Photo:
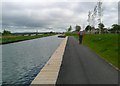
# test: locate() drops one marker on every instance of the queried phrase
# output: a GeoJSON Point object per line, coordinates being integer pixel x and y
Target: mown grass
{"type": "Point", "coordinates": [105, 45]}
{"type": "Point", "coordinates": [14, 38]}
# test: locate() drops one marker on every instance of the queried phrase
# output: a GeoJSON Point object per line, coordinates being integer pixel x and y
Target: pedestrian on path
{"type": "Point", "coordinates": [80, 35]}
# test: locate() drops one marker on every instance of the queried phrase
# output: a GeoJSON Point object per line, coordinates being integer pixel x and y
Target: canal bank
{"type": "Point", "coordinates": [49, 73]}
{"type": "Point", "coordinates": [12, 38]}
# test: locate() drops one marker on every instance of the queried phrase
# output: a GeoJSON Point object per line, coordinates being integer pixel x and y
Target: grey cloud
{"type": "Point", "coordinates": [119, 12]}
{"type": "Point", "coordinates": [58, 15]}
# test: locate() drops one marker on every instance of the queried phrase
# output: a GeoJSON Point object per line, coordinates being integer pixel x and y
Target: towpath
{"type": "Point", "coordinates": [82, 66]}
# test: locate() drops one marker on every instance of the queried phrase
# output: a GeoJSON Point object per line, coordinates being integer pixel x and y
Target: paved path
{"type": "Point", "coordinates": [82, 66]}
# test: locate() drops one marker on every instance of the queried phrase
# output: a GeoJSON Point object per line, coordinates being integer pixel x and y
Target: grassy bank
{"type": "Point", "coordinates": [13, 38]}
{"type": "Point", "coordinates": [105, 45]}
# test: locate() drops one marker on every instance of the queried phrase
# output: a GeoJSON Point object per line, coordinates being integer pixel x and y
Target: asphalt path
{"type": "Point", "coordinates": [80, 65]}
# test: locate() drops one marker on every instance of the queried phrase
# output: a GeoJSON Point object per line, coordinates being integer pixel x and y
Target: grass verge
{"type": "Point", "coordinates": [13, 38]}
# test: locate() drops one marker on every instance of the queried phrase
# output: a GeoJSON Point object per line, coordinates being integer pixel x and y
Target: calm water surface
{"type": "Point", "coordinates": [22, 61]}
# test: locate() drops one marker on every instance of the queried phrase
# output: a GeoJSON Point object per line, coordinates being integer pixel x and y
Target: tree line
{"type": "Point", "coordinates": [115, 28]}
{"type": "Point", "coordinates": [77, 28]}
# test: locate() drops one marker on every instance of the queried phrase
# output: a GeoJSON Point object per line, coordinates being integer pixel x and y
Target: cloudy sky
{"type": "Point", "coordinates": [52, 15]}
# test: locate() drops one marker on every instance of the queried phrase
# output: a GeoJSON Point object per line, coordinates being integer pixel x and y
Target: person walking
{"type": "Point", "coordinates": [80, 34]}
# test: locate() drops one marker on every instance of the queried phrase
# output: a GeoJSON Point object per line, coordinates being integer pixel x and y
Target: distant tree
{"type": "Point", "coordinates": [88, 28]}
{"type": "Point", "coordinates": [51, 32]}
{"type": "Point", "coordinates": [116, 28]}
{"type": "Point", "coordinates": [70, 28]}
{"type": "Point", "coordinates": [101, 27]}
{"type": "Point", "coordinates": [77, 28]}
{"type": "Point", "coordinates": [5, 32]}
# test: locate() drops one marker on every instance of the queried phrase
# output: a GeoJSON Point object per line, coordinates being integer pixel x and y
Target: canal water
{"type": "Point", "coordinates": [22, 61]}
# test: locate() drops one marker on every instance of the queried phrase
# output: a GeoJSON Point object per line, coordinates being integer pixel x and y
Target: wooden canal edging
{"type": "Point", "coordinates": [49, 73]}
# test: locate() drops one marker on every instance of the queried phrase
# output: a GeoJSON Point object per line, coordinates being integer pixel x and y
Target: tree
{"type": "Point", "coordinates": [101, 27]}
{"type": "Point", "coordinates": [70, 28]}
{"type": "Point", "coordinates": [88, 28]}
{"type": "Point", "coordinates": [78, 28]}
{"type": "Point", "coordinates": [116, 28]}
{"type": "Point", "coordinates": [5, 32]}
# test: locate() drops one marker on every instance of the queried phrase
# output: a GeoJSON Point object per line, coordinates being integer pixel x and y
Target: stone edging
{"type": "Point", "coordinates": [49, 73]}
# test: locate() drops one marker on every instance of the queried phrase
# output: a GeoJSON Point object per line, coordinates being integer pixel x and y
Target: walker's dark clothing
{"type": "Point", "coordinates": [80, 36]}
{"type": "Point", "coordinates": [80, 39]}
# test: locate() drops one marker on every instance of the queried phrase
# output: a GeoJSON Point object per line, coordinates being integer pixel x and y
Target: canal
{"type": "Point", "coordinates": [22, 61]}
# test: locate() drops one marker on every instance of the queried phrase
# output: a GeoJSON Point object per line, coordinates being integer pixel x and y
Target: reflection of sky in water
{"type": "Point", "coordinates": [23, 60]}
